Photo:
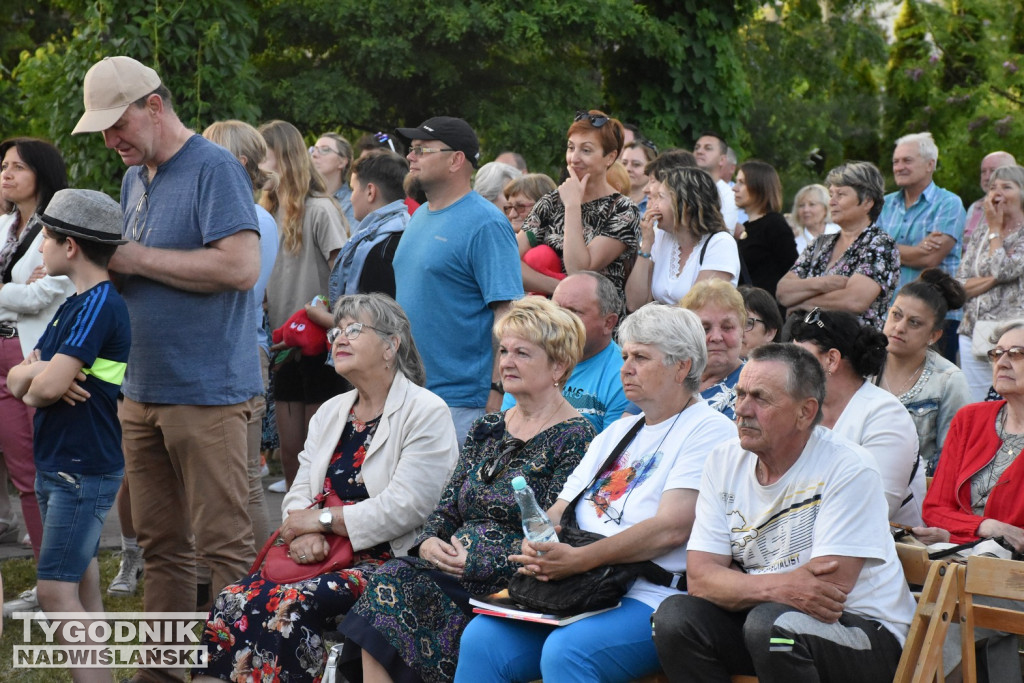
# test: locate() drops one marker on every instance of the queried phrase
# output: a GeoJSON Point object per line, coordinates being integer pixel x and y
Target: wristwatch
{"type": "Point", "coordinates": [326, 520]}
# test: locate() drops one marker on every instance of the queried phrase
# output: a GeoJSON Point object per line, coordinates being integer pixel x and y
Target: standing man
{"type": "Point", "coordinates": [926, 221]}
{"type": "Point", "coordinates": [791, 570]}
{"type": "Point", "coordinates": [456, 268]}
{"type": "Point", "coordinates": [976, 211]}
{"type": "Point", "coordinates": [594, 388]}
{"type": "Point", "coordinates": [710, 151]}
{"type": "Point", "coordinates": [186, 275]}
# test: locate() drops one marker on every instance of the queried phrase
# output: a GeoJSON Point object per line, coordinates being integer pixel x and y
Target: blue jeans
{"type": "Point", "coordinates": [73, 507]}
{"type": "Point", "coordinates": [611, 646]}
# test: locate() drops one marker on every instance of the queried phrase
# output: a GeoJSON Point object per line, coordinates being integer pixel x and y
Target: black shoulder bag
{"type": "Point", "coordinates": [598, 588]}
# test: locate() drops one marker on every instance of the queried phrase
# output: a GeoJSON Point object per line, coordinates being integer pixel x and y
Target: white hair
{"type": "Point", "coordinates": [926, 146]}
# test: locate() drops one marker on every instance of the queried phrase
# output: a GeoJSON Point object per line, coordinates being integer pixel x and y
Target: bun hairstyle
{"type": "Point", "coordinates": [862, 345]}
{"type": "Point", "coordinates": [939, 291]}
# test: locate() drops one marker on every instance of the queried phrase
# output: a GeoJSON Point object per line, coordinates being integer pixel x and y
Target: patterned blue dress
{"type": "Point", "coordinates": [263, 631]}
{"type": "Point", "coordinates": [411, 616]}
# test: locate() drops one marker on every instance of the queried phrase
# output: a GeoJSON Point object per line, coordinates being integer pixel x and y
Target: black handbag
{"type": "Point", "coordinates": [598, 588]}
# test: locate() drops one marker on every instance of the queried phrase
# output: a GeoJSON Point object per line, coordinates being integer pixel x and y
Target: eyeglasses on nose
{"type": "Point", "coordinates": [419, 150]}
{"type": "Point", "coordinates": [351, 331]}
{"type": "Point", "coordinates": [1014, 353]}
{"type": "Point", "coordinates": [518, 208]}
{"type": "Point", "coordinates": [751, 321]}
{"type": "Point", "coordinates": [322, 151]}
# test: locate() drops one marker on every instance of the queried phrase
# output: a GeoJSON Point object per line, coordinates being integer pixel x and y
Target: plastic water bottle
{"type": "Point", "coordinates": [537, 525]}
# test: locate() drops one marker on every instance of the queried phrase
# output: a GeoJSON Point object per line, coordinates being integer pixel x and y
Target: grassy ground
{"type": "Point", "coordinates": [19, 575]}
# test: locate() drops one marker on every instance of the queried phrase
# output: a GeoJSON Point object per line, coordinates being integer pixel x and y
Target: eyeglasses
{"type": "Point", "coordinates": [1014, 353]}
{"type": "Point", "coordinates": [814, 318]}
{"type": "Point", "coordinates": [649, 145]}
{"type": "Point", "coordinates": [351, 331]}
{"type": "Point", "coordinates": [497, 463]}
{"type": "Point", "coordinates": [596, 120]}
{"type": "Point", "coordinates": [751, 321]}
{"type": "Point", "coordinates": [322, 151]}
{"type": "Point", "coordinates": [139, 228]}
{"type": "Point", "coordinates": [384, 137]}
{"type": "Point", "coordinates": [518, 208]}
{"type": "Point", "coordinates": [418, 150]}
{"type": "Point", "coordinates": [604, 505]}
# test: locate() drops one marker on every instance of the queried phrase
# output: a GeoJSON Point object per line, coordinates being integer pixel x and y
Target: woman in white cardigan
{"type": "Point", "coordinates": [31, 171]}
{"type": "Point", "coordinates": [387, 448]}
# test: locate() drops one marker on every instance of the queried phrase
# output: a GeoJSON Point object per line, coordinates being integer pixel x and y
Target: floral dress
{"type": "Point", "coordinates": [411, 616]}
{"type": "Point", "coordinates": [873, 254]}
{"type": "Point", "coordinates": [262, 631]}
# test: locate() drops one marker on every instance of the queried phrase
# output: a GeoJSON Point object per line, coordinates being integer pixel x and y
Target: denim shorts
{"type": "Point", "coordinates": [73, 507]}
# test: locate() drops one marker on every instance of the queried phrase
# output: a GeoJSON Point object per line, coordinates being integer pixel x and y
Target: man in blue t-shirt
{"type": "Point", "coordinates": [456, 269]}
{"type": "Point", "coordinates": [186, 274]}
{"type": "Point", "coordinates": [72, 377]}
{"type": "Point", "coordinates": [594, 388]}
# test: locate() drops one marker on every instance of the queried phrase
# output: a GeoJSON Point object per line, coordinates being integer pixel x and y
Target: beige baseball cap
{"type": "Point", "coordinates": [110, 86]}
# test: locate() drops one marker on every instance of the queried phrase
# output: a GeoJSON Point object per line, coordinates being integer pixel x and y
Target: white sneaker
{"type": "Point", "coordinates": [26, 602]}
{"type": "Point", "coordinates": [278, 487]}
{"type": "Point", "coordinates": [127, 579]}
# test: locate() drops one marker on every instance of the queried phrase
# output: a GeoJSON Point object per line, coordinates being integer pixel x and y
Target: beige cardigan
{"type": "Point", "coordinates": [411, 457]}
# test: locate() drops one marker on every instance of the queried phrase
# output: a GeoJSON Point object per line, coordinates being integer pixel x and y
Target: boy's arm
{"type": "Point", "coordinates": [46, 382]}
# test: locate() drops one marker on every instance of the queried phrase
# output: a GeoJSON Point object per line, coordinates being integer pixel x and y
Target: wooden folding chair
{"type": "Point", "coordinates": [991, 577]}
{"type": "Point", "coordinates": [915, 561]}
{"type": "Point", "coordinates": [921, 661]}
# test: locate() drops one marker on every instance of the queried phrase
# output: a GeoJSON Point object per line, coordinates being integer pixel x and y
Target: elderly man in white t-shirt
{"type": "Point", "coordinates": [792, 573]}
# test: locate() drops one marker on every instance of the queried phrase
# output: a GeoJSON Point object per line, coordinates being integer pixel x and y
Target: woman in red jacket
{"type": "Point", "coordinates": [978, 486]}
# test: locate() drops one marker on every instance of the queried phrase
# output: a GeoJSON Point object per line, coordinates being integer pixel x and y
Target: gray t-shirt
{"type": "Point", "coordinates": [189, 348]}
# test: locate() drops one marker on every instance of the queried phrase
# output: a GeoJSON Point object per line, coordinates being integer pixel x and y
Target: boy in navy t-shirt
{"type": "Point", "coordinates": [73, 377]}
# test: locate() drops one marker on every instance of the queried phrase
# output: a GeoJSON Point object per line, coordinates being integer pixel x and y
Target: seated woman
{"type": "Point", "coordinates": [409, 620]}
{"type": "Point", "coordinates": [865, 414]}
{"type": "Point", "coordinates": [930, 387]}
{"type": "Point", "coordinates": [720, 308]}
{"type": "Point", "coordinates": [764, 322]}
{"type": "Point", "coordinates": [522, 193]}
{"type": "Point", "coordinates": [386, 449]}
{"type": "Point", "coordinates": [810, 216]}
{"type": "Point", "coordinates": [766, 243]}
{"type": "Point", "coordinates": [644, 504]}
{"type": "Point", "coordinates": [856, 269]}
{"type": "Point", "coordinates": [587, 222]}
{"type": "Point", "coordinates": [683, 237]}
{"type": "Point", "coordinates": [976, 492]}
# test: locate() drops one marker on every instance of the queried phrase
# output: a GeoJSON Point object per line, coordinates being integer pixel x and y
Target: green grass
{"type": "Point", "coordinates": [19, 575]}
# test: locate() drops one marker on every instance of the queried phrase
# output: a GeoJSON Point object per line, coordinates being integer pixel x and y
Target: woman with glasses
{"type": "Point", "coordinates": [850, 352]}
{"type": "Point", "coordinates": [683, 237]}
{"type": "Point", "coordinates": [856, 269]}
{"type": "Point", "coordinates": [31, 172]}
{"type": "Point", "coordinates": [311, 232]}
{"type": "Point", "coordinates": [764, 322]}
{"type": "Point", "coordinates": [766, 242]}
{"type": "Point", "coordinates": [522, 193]}
{"type": "Point", "coordinates": [724, 318]}
{"type": "Point", "coordinates": [976, 493]}
{"type": "Point", "coordinates": [332, 158]}
{"type": "Point", "coordinates": [990, 270]}
{"type": "Point", "coordinates": [930, 387]}
{"type": "Point", "coordinates": [643, 503]}
{"type": "Point", "coordinates": [407, 625]}
{"type": "Point", "coordinates": [810, 217]}
{"type": "Point", "coordinates": [386, 449]}
{"type": "Point", "coordinates": [588, 224]}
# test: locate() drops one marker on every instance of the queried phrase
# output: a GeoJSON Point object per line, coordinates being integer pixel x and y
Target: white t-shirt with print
{"type": "Point", "coordinates": [668, 455]}
{"type": "Point", "coordinates": [830, 502]}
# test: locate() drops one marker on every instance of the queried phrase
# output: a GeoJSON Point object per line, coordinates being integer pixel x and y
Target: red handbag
{"type": "Point", "coordinates": [279, 567]}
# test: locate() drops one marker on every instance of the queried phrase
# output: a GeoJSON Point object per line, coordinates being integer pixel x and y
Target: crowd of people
{"type": "Point", "coordinates": [667, 360]}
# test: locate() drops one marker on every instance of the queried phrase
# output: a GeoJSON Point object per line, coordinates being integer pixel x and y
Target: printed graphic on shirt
{"type": "Point", "coordinates": [778, 542]}
{"type": "Point", "coordinates": [610, 493]}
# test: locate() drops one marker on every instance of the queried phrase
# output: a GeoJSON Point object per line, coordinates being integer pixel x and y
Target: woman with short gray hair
{"type": "Point", "coordinates": [990, 271]}
{"type": "Point", "coordinates": [643, 502]}
{"type": "Point", "coordinates": [491, 180]}
{"type": "Point", "coordinates": [856, 269]}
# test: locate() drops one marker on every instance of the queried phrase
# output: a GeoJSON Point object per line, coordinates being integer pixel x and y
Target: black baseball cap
{"type": "Point", "coordinates": [452, 131]}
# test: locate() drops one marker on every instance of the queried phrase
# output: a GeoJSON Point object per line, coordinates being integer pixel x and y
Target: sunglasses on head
{"type": "Point", "coordinates": [596, 120]}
